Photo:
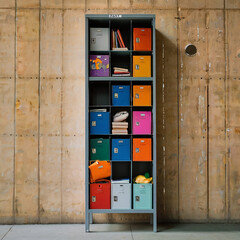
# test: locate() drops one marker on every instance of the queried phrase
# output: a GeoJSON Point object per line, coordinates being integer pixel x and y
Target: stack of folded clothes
{"type": "Point", "coordinates": [119, 124]}
{"type": "Point", "coordinates": [121, 72]}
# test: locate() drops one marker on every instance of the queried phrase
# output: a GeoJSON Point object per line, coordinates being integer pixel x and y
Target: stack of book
{"type": "Point", "coordinates": [119, 127]}
{"type": "Point", "coordinates": [120, 72]}
{"type": "Point", "coordinates": [117, 42]}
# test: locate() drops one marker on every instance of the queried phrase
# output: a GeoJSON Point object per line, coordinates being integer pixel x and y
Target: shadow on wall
{"type": "Point", "coordinates": [167, 128]}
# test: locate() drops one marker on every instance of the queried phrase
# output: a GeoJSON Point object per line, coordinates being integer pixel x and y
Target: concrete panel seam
{"type": "Point", "coordinates": [15, 91]}
{"type": "Point", "coordinates": [62, 112]}
{"type": "Point", "coordinates": [39, 107]}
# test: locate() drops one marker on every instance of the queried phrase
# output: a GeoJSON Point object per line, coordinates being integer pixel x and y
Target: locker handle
{"type": "Point", "coordinates": [99, 115]}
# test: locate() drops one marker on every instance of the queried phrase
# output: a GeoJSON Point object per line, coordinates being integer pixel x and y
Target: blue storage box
{"type": "Point", "coordinates": [99, 123]}
{"type": "Point", "coordinates": [120, 95]}
{"type": "Point", "coordinates": [142, 196]}
{"type": "Point", "coordinates": [121, 150]}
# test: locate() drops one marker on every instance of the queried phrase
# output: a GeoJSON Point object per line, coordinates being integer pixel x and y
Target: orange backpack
{"type": "Point", "coordinates": [99, 170]}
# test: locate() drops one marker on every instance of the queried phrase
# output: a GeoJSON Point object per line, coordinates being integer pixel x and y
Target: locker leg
{"type": "Point", "coordinates": [91, 218]}
{"type": "Point", "coordinates": [151, 219]}
{"type": "Point", "coordinates": [155, 222]}
{"type": "Point", "coordinates": [87, 218]}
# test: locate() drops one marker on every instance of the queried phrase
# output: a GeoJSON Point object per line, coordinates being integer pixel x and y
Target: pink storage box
{"type": "Point", "coordinates": [142, 122]}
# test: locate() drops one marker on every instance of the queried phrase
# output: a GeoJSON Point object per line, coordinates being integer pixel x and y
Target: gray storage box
{"type": "Point", "coordinates": [121, 196]}
{"type": "Point", "coordinates": [99, 39]}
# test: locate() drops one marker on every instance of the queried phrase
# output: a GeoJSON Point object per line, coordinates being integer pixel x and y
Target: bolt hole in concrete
{"type": "Point", "coordinates": [190, 50]}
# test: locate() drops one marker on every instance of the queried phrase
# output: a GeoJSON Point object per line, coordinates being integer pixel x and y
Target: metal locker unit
{"type": "Point", "coordinates": [107, 94]}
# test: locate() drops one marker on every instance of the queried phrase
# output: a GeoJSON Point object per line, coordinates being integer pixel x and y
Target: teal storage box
{"type": "Point", "coordinates": [142, 196]}
{"type": "Point", "coordinates": [99, 149]}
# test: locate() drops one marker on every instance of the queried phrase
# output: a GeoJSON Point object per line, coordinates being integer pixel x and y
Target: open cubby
{"type": "Point", "coordinates": [121, 170]}
{"type": "Point", "coordinates": [140, 168]}
{"type": "Point", "coordinates": [128, 120]}
{"type": "Point", "coordinates": [100, 95]}
{"type": "Point", "coordinates": [121, 60]}
{"type": "Point", "coordinates": [124, 27]}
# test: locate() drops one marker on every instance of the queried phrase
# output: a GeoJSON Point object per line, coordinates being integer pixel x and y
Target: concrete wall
{"type": "Point", "coordinates": [42, 109]}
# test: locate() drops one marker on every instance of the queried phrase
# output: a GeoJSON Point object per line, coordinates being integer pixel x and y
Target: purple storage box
{"type": "Point", "coordinates": [142, 122]}
{"type": "Point", "coordinates": [99, 65]}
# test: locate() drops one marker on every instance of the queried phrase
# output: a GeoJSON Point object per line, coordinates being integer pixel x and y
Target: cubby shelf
{"type": "Point", "coordinates": [120, 211]}
{"type": "Point", "coordinates": [100, 94]}
{"type": "Point", "coordinates": [122, 135]}
{"type": "Point", "coordinates": [128, 79]}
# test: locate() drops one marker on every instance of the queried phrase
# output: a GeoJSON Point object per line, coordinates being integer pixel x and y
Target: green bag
{"type": "Point", "coordinates": [100, 149]}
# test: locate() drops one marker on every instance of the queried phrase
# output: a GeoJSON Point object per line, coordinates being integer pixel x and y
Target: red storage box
{"type": "Point", "coordinates": [142, 39]}
{"type": "Point", "coordinates": [100, 195]}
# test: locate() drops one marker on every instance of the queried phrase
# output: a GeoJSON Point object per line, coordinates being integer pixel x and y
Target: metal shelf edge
{"type": "Point", "coordinates": [120, 79]}
{"type": "Point", "coordinates": [121, 210]}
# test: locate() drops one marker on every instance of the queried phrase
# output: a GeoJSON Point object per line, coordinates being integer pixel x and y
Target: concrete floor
{"type": "Point", "coordinates": [121, 231]}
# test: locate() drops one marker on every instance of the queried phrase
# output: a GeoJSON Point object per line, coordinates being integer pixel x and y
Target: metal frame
{"type": "Point", "coordinates": [89, 212]}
